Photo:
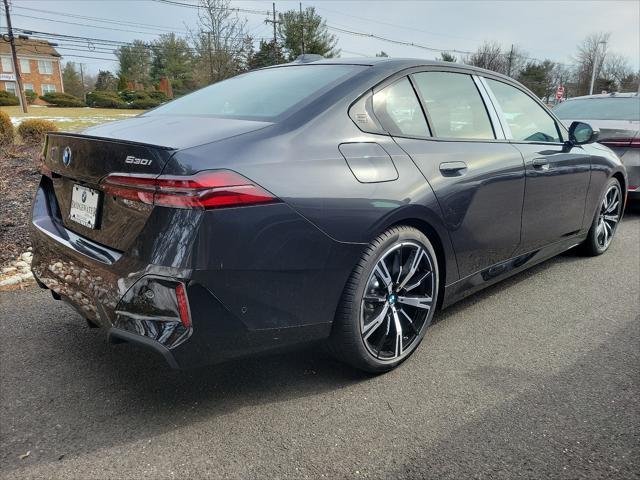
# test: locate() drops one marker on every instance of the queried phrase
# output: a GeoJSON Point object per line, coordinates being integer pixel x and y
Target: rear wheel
{"type": "Point", "coordinates": [605, 222]}
{"type": "Point", "coordinates": [388, 302]}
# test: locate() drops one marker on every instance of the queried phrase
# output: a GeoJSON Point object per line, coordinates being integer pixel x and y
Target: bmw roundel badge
{"type": "Point", "coordinates": [66, 156]}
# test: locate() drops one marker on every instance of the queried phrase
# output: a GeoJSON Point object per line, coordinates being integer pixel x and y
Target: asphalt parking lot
{"type": "Point", "coordinates": [538, 377]}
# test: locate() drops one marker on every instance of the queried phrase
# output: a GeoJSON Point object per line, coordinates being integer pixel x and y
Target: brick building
{"type": "Point", "coordinates": [39, 65]}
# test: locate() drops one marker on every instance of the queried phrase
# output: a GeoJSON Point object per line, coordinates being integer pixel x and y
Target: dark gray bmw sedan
{"type": "Point", "coordinates": [339, 201]}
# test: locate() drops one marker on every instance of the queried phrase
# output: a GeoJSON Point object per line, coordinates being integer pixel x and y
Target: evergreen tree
{"type": "Point", "coordinates": [309, 27]}
{"type": "Point", "coordinates": [72, 81]}
{"type": "Point", "coordinates": [135, 62]}
{"type": "Point", "coordinates": [268, 54]}
{"type": "Point", "coordinates": [173, 59]}
{"type": "Point", "coordinates": [106, 81]}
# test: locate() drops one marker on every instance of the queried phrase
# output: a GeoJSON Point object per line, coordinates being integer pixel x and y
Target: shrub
{"type": "Point", "coordinates": [105, 99]}
{"type": "Point", "coordinates": [32, 131]}
{"type": "Point", "coordinates": [60, 99]}
{"type": "Point", "coordinates": [142, 100]}
{"type": "Point", "coordinates": [6, 130]}
{"type": "Point", "coordinates": [144, 103]}
{"type": "Point", "coordinates": [159, 95]}
{"type": "Point", "coordinates": [31, 96]}
{"type": "Point", "coordinates": [133, 95]}
{"type": "Point", "coordinates": [8, 99]}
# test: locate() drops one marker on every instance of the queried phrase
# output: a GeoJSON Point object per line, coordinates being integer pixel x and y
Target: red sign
{"type": "Point", "coordinates": [559, 92]}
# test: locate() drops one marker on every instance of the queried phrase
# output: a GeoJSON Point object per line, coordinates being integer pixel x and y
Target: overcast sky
{"type": "Point", "coordinates": [544, 29]}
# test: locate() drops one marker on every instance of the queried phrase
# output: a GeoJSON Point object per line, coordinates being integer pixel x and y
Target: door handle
{"type": "Point", "coordinates": [453, 168]}
{"type": "Point", "coordinates": [540, 164]}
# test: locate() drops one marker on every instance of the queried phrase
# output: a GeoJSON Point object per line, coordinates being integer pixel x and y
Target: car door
{"type": "Point", "coordinates": [557, 174]}
{"type": "Point", "coordinates": [477, 176]}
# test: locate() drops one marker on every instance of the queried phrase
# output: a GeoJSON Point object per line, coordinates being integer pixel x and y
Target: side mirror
{"type": "Point", "coordinates": [581, 133]}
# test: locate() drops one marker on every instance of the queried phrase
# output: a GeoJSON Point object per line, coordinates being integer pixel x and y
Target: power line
{"type": "Point", "coordinates": [102, 20]}
{"type": "Point", "coordinates": [85, 25]}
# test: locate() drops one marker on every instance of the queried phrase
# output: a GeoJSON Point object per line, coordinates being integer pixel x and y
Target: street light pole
{"type": "Point", "coordinates": [595, 64]}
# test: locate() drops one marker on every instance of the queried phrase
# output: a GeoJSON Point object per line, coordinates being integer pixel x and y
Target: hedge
{"type": "Point", "coordinates": [104, 99]}
{"type": "Point", "coordinates": [60, 99]}
{"type": "Point", "coordinates": [8, 99]}
{"type": "Point", "coordinates": [6, 130]}
{"type": "Point", "coordinates": [137, 99]}
{"type": "Point", "coordinates": [32, 131]}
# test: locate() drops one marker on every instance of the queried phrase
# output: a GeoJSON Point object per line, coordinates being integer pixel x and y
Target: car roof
{"type": "Point", "coordinates": [605, 95]}
{"type": "Point", "coordinates": [398, 64]}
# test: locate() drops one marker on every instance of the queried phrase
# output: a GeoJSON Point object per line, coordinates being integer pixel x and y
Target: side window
{"type": "Point", "coordinates": [454, 105]}
{"type": "Point", "coordinates": [527, 120]}
{"type": "Point", "coordinates": [399, 111]}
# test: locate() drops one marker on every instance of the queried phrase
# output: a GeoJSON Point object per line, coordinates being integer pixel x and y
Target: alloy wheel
{"type": "Point", "coordinates": [608, 216]}
{"type": "Point", "coordinates": [397, 300]}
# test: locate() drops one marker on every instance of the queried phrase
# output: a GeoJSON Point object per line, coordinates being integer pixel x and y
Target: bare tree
{"type": "Point", "coordinates": [220, 41]}
{"type": "Point", "coordinates": [492, 56]}
{"type": "Point", "coordinates": [616, 69]}
{"type": "Point", "coordinates": [591, 52]}
{"type": "Point", "coordinates": [488, 55]}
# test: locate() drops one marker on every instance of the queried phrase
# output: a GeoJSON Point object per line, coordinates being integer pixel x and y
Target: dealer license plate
{"type": "Point", "coordinates": [84, 206]}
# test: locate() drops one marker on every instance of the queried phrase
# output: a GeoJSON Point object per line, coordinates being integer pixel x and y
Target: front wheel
{"type": "Point", "coordinates": [605, 222]}
{"type": "Point", "coordinates": [388, 302]}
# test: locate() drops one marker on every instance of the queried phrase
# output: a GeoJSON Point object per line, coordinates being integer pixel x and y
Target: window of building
{"type": "Point", "coordinates": [454, 105]}
{"type": "Point", "coordinates": [7, 65]}
{"type": "Point", "coordinates": [45, 67]}
{"type": "Point", "coordinates": [25, 66]}
{"type": "Point", "coordinates": [28, 86]}
{"type": "Point", "coordinates": [10, 87]}
{"type": "Point", "coordinates": [528, 121]}
{"type": "Point", "coordinates": [399, 111]}
{"type": "Point", "coordinates": [47, 88]}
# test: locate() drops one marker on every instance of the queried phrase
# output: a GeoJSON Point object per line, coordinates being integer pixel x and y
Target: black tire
{"type": "Point", "coordinates": [346, 342]}
{"type": "Point", "coordinates": [596, 243]}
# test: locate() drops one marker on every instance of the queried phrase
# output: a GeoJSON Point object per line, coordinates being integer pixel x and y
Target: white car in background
{"type": "Point", "coordinates": [617, 116]}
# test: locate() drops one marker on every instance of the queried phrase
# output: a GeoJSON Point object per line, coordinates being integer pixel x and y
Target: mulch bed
{"type": "Point", "coordinates": [19, 178]}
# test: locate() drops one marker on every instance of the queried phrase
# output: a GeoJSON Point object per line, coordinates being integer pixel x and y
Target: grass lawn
{"type": "Point", "coordinates": [70, 119]}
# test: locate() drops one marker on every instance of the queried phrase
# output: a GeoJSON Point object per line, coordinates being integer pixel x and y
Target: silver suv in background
{"type": "Point", "coordinates": [617, 116]}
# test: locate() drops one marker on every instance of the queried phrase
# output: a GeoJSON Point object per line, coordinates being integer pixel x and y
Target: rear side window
{"type": "Point", "coordinates": [612, 108]}
{"type": "Point", "coordinates": [454, 105]}
{"type": "Point", "coordinates": [528, 121]}
{"type": "Point", "coordinates": [399, 111]}
{"type": "Point", "coordinates": [262, 94]}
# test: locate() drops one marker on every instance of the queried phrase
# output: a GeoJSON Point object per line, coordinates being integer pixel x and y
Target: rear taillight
{"type": "Point", "coordinates": [208, 189]}
{"type": "Point", "coordinates": [622, 142]}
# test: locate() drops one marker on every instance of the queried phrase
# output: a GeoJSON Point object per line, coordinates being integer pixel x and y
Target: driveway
{"type": "Point", "coordinates": [538, 377]}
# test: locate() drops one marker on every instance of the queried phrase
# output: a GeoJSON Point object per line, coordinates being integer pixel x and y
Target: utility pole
{"type": "Point", "coordinates": [595, 64]}
{"type": "Point", "coordinates": [275, 34]}
{"type": "Point", "coordinates": [84, 93]}
{"type": "Point", "coordinates": [21, 96]}
{"type": "Point", "coordinates": [510, 61]}
{"type": "Point", "coordinates": [301, 28]}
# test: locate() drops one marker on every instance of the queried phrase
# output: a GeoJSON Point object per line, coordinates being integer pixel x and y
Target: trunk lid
{"type": "Point", "coordinates": [86, 162]}
{"type": "Point", "coordinates": [141, 145]}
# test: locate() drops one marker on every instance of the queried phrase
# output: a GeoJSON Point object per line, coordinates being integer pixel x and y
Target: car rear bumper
{"type": "Point", "coordinates": [631, 159]}
{"type": "Point", "coordinates": [255, 294]}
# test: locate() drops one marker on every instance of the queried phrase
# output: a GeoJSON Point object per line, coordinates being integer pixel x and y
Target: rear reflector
{"type": "Point", "coordinates": [622, 142]}
{"type": "Point", "coordinates": [183, 306]}
{"type": "Point", "coordinates": [208, 189]}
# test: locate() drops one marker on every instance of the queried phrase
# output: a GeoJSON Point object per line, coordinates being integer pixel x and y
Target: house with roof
{"type": "Point", "coordinates": [38, 64]}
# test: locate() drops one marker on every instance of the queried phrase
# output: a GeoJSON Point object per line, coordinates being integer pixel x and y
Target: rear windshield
{"type": "Point", "coordinates": [621, 108]}
{"type": "Point", "coordinates": [260, 95]}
